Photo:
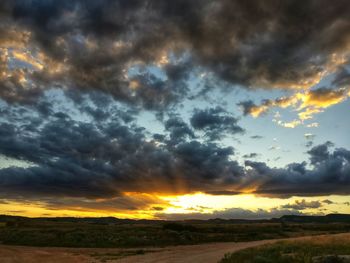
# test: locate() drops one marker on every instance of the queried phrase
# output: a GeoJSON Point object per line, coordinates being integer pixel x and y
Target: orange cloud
{"type": "Point", "coordinates": [257, 110]}
{"type": "Point", "coordinates": [323, 97]}
{"type": "Point", "coordinates": [306, 103]}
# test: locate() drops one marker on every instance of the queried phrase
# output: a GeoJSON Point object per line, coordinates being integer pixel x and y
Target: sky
{"type": "Point", "coordinates": [174, 109]}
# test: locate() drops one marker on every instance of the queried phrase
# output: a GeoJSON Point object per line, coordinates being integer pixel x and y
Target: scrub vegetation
{"type": "Point", "coordinates": [113, 232]}
{"type": "Point", "coordinates": [320, 250]}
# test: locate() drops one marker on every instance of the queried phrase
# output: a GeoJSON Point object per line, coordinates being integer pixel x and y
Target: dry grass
{"type": "Point", "coordinates": [305, 251]}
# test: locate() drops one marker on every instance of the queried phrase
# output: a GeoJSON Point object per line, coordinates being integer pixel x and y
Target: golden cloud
{"type": "Point", "coordinates": [322, 98]}
{"type": "Point", "coordinates": [306, 103]}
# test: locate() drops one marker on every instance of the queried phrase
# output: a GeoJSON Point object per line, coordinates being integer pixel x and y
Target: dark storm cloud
{"type": "Point", "coordinates": [115, 204]}
{"type": "Point", "coordinates": [179, 130]}
{"type": "Point", "coordinates": [330, 174]}
{"type": "Point", "coordinates": [104, 157]}
{"type": "Point", "coordinates": [91, 44]}
{"type": "Point", "coordinates": [215, 122]}
{"type": "Point", "coordinates": [319, 153]}
{"type": "Point", "coordinates": [153, 93]}
{"type": "Point", "coordinates": [81, 158]}
{"type": "Point", "coordinates": [205, 163]}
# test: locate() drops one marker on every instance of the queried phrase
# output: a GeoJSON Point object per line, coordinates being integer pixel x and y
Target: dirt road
{"type": "Point", "coordinates": [209, 253]}
{"type": "Point", "coordinates": [205, 253]}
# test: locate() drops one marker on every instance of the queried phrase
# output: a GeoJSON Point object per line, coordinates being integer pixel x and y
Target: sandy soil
{"type": "Point", "coordinates": [205, 253]}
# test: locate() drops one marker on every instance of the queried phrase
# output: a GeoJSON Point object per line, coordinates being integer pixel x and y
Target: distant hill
{"type": "Point", "coordinates": [90, 220]}
{"type": "Point", "coordinates": [331, 218]}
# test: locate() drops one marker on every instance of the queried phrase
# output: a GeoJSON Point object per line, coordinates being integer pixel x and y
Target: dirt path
{"type": "Point", "coordinates": [208, 253]}
{"type": "Point", "coordinates": [205, 253]}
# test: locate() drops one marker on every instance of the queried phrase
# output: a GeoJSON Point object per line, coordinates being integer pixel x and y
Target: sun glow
{"type": "Point", "coordinates": [204, 203]}
{"type": "Point", "coordinates": [198, 203]}
{"type": "Point", "coordinates": [208, 203]}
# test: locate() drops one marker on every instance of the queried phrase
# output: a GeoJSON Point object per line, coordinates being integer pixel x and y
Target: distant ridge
{"type": "Point", "coordinates": [330, 218]}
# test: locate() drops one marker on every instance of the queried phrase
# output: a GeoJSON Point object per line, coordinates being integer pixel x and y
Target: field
{"type": "Point", "coordinates": [129, 234]}
{"type": "Point", "coordinates": [73, 240]}
{"type": "Point", "coordinates": [203, 253]}
{"type": "Point", "coordinates": [318, 250]}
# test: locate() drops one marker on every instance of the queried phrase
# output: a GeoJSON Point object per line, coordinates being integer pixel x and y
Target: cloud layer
{"type": "Point", "coordinates": [92, 45]}
{"type": "Point", "coordinates": [90, 153]}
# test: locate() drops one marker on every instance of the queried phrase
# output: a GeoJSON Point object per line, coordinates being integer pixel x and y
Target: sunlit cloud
{"type": "Point", "coordinates": [306, 104]}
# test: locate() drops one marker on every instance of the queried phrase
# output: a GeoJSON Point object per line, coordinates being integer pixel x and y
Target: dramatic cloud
{"type": "Point", "coordinates": [256, 110]}
{"type": "Point", "coordinates": [102, 154]}
{"type": "Point", "coordinates": [323, 97]}
{"type": "Point", "coordinates": [179, 130]}
{"type": "Point", "coordinates": [104, 157]}
{"type": "Point", "coordinates": [215, 122]}
{"type": "Point", "coordinates": [93, 45]}
{"type": "Point", "coordinates": [131, 202]}
{"type": "Point", "coordinates": [307, 104]}
{"type": "Point", "coordinates": [330, 175]}
{"type": "Point", "coordinates": [319, 153]}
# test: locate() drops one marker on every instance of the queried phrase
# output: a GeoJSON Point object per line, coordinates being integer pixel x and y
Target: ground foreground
{"type": "Point", "coordinates": [206, 253]}
{"type": "Point", "coordinates": [326, 249]}
{"type": "Point", "coordinates": [124, 233]}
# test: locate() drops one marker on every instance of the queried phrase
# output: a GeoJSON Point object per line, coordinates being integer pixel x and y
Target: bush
{"type": "Point", "coordinates": [180, 227]}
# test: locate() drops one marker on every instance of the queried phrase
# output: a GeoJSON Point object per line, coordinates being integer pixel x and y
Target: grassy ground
{"type": "Point", "coordinates": [155, 234]}
{"type": "Point", "coordinates": [322, 250]}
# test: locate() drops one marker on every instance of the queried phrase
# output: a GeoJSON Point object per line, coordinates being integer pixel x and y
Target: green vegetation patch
{"type": "Point", "coordinates": [123, 233]}
{"type": "Point", "coordinates": [327, 250]}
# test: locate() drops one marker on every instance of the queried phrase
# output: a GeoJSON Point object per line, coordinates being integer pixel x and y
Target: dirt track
{"type": "Point", "coordinates": [205, 253]}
